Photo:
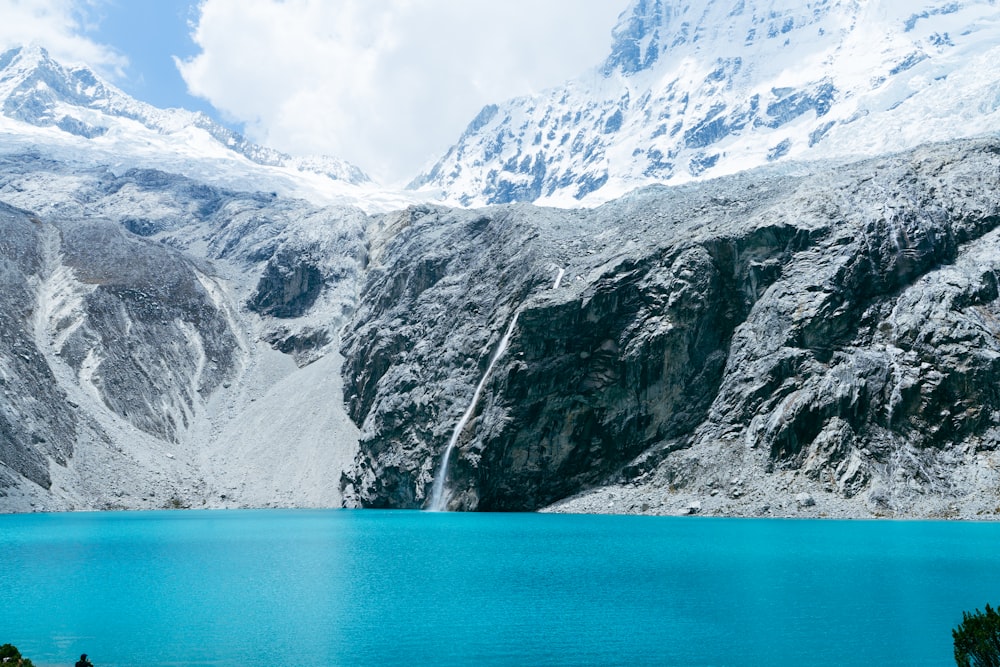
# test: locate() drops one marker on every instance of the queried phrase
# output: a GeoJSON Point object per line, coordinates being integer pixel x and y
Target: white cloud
{"type": "Point", "coordinates": [58, 25]}
{"type": "Point", "coordinates": [386, 84]}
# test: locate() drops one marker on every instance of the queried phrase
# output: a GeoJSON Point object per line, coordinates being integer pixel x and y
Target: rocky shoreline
{"type": "Point", "coordinates": [787, 497]}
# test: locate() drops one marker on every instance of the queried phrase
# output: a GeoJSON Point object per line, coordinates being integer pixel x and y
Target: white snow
{"type": "Point", "coordinates": [59, 296]}
{"type": "Point", "coordinates": [87, 370]}
{"type": "Point", "coordinates": [173, 140]}
{"type": "Point", "coordinates": [900, 78]}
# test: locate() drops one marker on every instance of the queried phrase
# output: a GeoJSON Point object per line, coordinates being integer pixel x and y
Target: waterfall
{"type": "Point", "coordinates": [439, 498]}
{"type": "Point", "coordinates": [896, 394]}
{"type": "Point", "coordinates": [559, 278]}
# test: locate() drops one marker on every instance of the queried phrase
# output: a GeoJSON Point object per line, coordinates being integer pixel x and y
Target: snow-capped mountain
{"type": "Point", "coordinates": [176, 331]}
{"type": "Point", "coordinates": [72, 112]}
{"type": "Point", "coordinates": [700, 88]}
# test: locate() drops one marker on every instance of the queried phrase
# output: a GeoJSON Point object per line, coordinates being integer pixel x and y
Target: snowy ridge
{"type": "Point", "coordinates": [72, 114]}
{"type": "Point", "coordinates": [38, 90]}
{"type": "Point", "coordinates": [695, 89]}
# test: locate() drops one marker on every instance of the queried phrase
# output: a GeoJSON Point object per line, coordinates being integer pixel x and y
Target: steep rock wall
{"type": "Point", "coordinates": [839, 325]}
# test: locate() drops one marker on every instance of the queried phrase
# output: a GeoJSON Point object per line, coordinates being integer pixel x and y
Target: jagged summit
{"type": "Point", "coordinates": [37, 90]}
{"type": "Point", "coordinates": [694, 89]}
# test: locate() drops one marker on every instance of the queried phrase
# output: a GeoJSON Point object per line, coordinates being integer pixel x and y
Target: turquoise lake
{"type": "Point", "coordinates": [318, 588]}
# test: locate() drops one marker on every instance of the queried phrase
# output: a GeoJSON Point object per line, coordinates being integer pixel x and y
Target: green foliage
{"type": "Point", "coordinates": [11, 656]}
{"type": "Point", "coordinates": [977, 639]}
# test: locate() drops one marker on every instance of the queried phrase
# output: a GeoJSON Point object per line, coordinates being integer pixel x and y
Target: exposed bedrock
{"type": "Point", "coordinates": [289, 286]}
{"type": "Point", "coordinates": [841, 324]}
{"type": "Point", "coordinates": [130, 321]}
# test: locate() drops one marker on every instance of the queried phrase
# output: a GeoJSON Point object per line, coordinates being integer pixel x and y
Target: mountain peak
{"type": "Point", "coordinates": [32, 62]}
{"type": "Point", "coordinates": [694, 89]}
{"type": "Point", "coordinates": [30, 53]}
{"type": "Point", "coordinates": [25, 57]}
{"type": "Point", "coordinates": [636, 38]}
{"type": "Point", "coordinates": [38, 90]}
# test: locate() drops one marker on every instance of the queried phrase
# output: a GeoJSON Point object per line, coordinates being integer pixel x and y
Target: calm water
{"type": "Point", "coordinates": [318, 588]}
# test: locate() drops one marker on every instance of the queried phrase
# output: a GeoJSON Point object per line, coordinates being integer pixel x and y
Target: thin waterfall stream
{"type": "Point", "coordinates": [439, 497]}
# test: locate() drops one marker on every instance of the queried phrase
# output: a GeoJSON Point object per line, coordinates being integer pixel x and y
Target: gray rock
{"type": "Point", "coordinates": [840, 324]}
{"type": "Point", "coordinates": [129, 294]}
{"type": "Point", "coordinates": [148, 336]}
{"type": "Point", "coordinates": [830, 328]}
{"type": "Point", "coordinates": [36, 422]}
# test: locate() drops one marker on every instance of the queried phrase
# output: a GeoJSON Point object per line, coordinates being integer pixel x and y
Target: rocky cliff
{"type": "Point", "coordinates": [832, 333]}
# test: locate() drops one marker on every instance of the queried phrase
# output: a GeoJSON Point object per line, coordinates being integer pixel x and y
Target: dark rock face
{"type": "Point", "coordinates": [302, 345]}
{"type": "Point", "coordinates": [639, 363]}
{"type": "Point", "coordinates": [843, 325]}
{"type": "Point", "coordinates": [289, 287]}
{"type": "Point", "coordinates": [875, 344]}
{"type": "Point", "coordinates": [424, 333]}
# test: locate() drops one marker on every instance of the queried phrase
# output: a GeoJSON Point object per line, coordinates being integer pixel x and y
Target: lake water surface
{"type": "Point", "coordinates": [318, 588]}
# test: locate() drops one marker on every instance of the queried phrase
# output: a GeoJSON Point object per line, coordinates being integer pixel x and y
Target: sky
{"type": "Point", "coordinates": [388, 85]}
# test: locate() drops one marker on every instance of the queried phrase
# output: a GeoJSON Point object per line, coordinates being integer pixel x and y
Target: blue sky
{"type": "Point", "coordinates": [149, 33]}
{"type": "Point", "coordinates": [386, 84]}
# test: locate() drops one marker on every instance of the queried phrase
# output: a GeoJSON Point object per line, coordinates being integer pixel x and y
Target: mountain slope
{"type": "Point", "coordinates": [173, 296]}
{"type": "Point", "coordinates": [167, 343]}
{"type": "Point", "coordinates": [823, 330]}
{"type": "Point", "coordinates": [699, 88]}
{"type": "Point", "coordinates": [735, 343]}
